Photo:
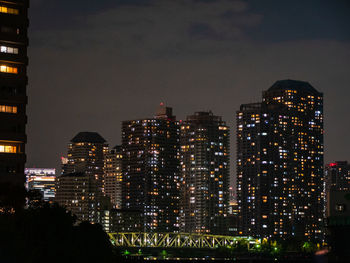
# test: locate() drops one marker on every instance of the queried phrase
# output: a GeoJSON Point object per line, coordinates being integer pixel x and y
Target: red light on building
{"type": "Point", "coordinates": [332, 164]}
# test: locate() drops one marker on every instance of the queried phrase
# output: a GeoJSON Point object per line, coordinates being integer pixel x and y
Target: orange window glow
{"type": "Point", "coordinates": [9, 10]}
{"type": "Point", "coordinates": [8, 149]}
{"type": "Point", "coordinates": [8, 109]}
{"type": "Point", "coordinates": [7, 69]}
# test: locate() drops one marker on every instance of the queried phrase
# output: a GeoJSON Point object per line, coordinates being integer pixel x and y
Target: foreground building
{"type": "Point", "coordinates": [151, 170]}
{"type": "Point", "coordinates": [43, 180]}
{"type": "Point", "coordinates": [13, 94]}
{"type": "Point", "coordinates": [280, 163]}
{"type": "Point", "coordinates": [205, 174]}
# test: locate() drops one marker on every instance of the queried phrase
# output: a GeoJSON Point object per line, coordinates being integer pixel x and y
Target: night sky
{"type": "Point", "coordinates": [93, 64]}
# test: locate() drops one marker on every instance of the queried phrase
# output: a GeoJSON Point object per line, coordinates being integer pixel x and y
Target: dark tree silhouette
{"type": "Point", "coordinates": [12, 197]}
{"type": "Point", "coordinates": [48, 234]}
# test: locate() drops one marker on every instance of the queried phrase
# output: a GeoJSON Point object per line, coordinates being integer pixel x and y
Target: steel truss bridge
{"type": "Point", "coordinates": [176, 240]}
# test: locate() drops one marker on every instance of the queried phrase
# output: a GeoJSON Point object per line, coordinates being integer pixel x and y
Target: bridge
{"type": "Point", "coordinates": [176, 240]}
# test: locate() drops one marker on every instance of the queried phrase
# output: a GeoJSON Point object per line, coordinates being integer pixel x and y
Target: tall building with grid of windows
{"type": "Point", "coordinates": [113, 176]}
{"type": "Point", "coordinates": [86, 153]}
{"type": "Point", "coordinates": [280, 163]}
{"type": "Point", "coordinates": [13, 96]}
{"type": "Point", "coordinates": [151, 170]}
{"type": "Point", "coordinates": [80, 186]}
{"type": "Point", "coordinates": [80, 194]}
{"type": "Point", "coordinates": [205, 174]}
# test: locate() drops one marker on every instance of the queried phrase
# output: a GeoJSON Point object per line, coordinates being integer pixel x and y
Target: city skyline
{"type": "Point", "coordinates": [188, 62]}
{"type": "Point", "coordinates": [246, 156]}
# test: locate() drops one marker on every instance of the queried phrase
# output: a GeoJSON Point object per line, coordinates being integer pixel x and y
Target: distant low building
{"type": "Point", "coordinates": [337, 178]}
{"type": "Point", "coordinates": [42, 179]}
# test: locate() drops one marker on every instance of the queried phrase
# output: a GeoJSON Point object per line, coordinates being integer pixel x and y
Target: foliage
{"type": "Point", "coordinates": [309, 247]}
{"type": "Point", "coordinates": [47, 233]}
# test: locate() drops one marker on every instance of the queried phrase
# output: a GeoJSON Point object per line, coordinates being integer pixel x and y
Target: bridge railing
{"type": "Point", "coordinates": [175, 240]}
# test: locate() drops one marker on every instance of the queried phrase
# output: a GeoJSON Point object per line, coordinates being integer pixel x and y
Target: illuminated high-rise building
{"type": "Point", "coordinates": [113, 176]}
{"type": "Point", "coordinates": [86, 154]}
{"type": "Point", "coordinates": [13, 95]}
{"type": "Point", "coordinates": [151, 170]}
{"type": "Point", "coordinates": [205, 174]}
{"type": "Point", "coordinates": [280, 163]}
{"type": "Point", "coordinates": [80, 186]}
{"type": "Point", "coordinates": [42, 179]}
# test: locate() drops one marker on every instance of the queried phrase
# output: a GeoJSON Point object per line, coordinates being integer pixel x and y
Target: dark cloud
{"type": "Point", "coordinates": [158, 27]}
{"type": "Point", "coordinates": [300, 20]}
{"type": "Point", "coordinates": [202, 30]}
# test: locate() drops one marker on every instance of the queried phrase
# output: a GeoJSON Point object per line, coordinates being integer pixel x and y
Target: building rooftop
{"type": "Point", "coordinates": [293, 84]}
{"type": "Point", "coordinates": [93, 137]}
{"type": "Point", "coordinates": [250, 107]}
{"type": "Point", "coordinates": [204, 116]}
{"type": "Point", "coordinates": [164, 112]}
{"type": "Point", "coordinates": [117, 148]}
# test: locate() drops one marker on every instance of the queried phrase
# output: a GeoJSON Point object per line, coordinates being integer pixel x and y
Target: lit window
{"type": "Point", "coordinates": [8, 109]}
{"type": "Point", "coordinates": [9, 10]}
{"type": "Point", "coordinates": [340, 207]}
{"type": "Point", "coordinates": [7, 69]}
{"type": "Point", "coordinates": [9, 50]}
{"type": "Point", "coordinates": [8, 149]}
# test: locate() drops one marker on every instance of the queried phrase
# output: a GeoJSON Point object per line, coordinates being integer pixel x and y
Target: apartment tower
{"type": "Point", "coordinates": [80, 186]}
{"type": "Point", "coordinates": [205, 174]}
{"type": "Point", "coordinates": [151, 170]}
{"type": "Point", "coordinates": [280, 163]}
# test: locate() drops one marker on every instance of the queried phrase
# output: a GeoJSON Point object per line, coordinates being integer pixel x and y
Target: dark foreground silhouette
{"type": "Point", "coordinates": [47, 234]}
